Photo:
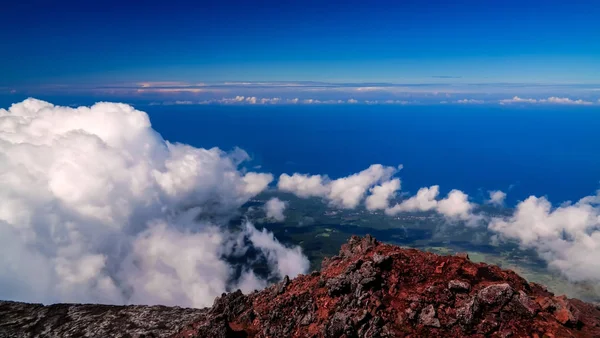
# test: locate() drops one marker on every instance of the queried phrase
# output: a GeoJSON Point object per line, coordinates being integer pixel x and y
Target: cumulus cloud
{"type": "Point", "coordinates": [567, 237]}
{"type": "Point", "coordinates": [378, 183]}
{"type": "Point", "coordinates": [381, 195]}
{"type": "Point", "coordinates": [456, 205]}
{"type": "Point", "coordinates": [97, 207]}
{"type": "Point", "coordinates": [274, 209]}
{"type": "Point", "coordinates": [304, 185]}
{"type": "Point", "coordinates": [497, 197]}
{"type": "Point", "coordinates": [424, 200]}
{"type": "Point", "coordinates": [550, 100]}
{"type": "Point", "coordinates": [346, 192]}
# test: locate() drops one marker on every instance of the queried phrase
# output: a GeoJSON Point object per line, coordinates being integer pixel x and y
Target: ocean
{"type": "Point", "coordinates": [548, 151]}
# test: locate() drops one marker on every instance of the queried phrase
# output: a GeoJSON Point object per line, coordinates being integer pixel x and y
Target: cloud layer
{"type": "Point", "coordinates": [254, 100]}
{"type": "Point", "coordinates": [274, 209]}
{"type": "Point", "coordinates": [455, 206]}
{"type": "Point", "coordinates": [346, 192]}
{"type": "Point", "coordinates": [567, 237]}
{"type": "Point", "coordinates": [97, 207]}
{"type": "Point", "coordinates": [424, 91]}
{"type": "Point", "coordinates": [497, 197]}
{"type": "Point", "coordinates": [549, 100]}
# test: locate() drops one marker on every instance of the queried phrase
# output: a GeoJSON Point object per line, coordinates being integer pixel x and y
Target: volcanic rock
{"type": "Point", "coordinates": [369, 290]}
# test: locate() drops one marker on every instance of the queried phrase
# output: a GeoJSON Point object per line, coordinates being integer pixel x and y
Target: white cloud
{"type": "Point", "coordinates": [346, 192]}
{"type": "Point", "coordinates": [550, 100]}
{"type": "Point", "coordinates": [454, 206]}
{"type": "Point", "coordinates": [517, 99]}
{"type": "Point", "coordinates": [381, 195]}
{"type": "Point", "coordinates": [565, 100]}
{"type": "Point", "coordinates": [370, 89]}
{"type": "Point", "coordinates": [170, 84]}
{"type": "Point", "coordinates": [277, 100]}
{"type": "Point", "coordinates": [349, 191]}
{"type": "Point", "coordinates": [286, 261]}
{"type": "Point", "coordinates": [470, 101]}
{"type": "Point", "coordinates": [97, 207]}
{"type": "Point", "coordinates": [226, 100]}
{"type": "Point", "coordinates": [273, 100]}
{"type": "Point", "coordinates": [567, 237]}
{"type": "Point", "coordinates": [303, 185]}
{"type": "Point", "coordinates": [396, 102]}
{"type": "Point", "coordinates": [176, 103]}
{"type": "Point", "coordinates": [497, 197]}
{"type": "Point", "coordinates": [424, 200]}
{"type": "Point", "coordinates": [175, 90]}
{"type": "Point", "coordinates": [274, 209]}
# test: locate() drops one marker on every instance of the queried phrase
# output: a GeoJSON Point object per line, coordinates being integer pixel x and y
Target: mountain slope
{"type": "Point", "coordinates": [369, 290]}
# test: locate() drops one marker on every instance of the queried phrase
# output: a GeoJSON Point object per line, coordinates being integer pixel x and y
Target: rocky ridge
{"type": "Point", "coordinates": [369, 290]}
{"type": "Point", "coordinates": [93, 320]}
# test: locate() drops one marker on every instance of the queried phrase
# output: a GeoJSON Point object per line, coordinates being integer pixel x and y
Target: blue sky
{"type": "Point", "coordinates": [80, 44]}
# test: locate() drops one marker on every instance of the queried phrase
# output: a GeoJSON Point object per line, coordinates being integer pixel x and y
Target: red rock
{"type": "Point", "coordinates": [417, 294]}
{"type": "Point", "coordinates": [495, 294]}
{"type": "Point", "coordinates": [440, 268]}
{"type": "Point", "coordinates": [459, 286]}
{"type": "Point", "coordinates": [563, 316]}
{"type": "Point", "coordinates": [544, 302]}
{"type": "Point", "coordinates": [469, 270]}
{"type": "Point", "coordinates": [370, 290]}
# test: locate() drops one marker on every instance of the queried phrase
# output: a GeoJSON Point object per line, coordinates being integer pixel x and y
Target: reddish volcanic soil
{"type": "Point", "coordinates": [369, 290]}
{"type": "Point", "coordinates": [377, 290]}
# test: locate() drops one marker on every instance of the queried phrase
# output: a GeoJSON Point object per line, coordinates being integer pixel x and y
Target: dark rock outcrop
{"type": "Point", "coordinates": [92, 320]}
{"type": "Point", "coordinates": [369, 290]}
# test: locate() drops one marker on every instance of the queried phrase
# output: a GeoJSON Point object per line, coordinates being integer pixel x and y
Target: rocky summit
{"type": "Point", "coordinates": [369, 290]}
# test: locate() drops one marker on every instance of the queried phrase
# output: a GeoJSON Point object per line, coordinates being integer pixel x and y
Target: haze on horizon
{"type": "Point", "coordinates": [385, 50]}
